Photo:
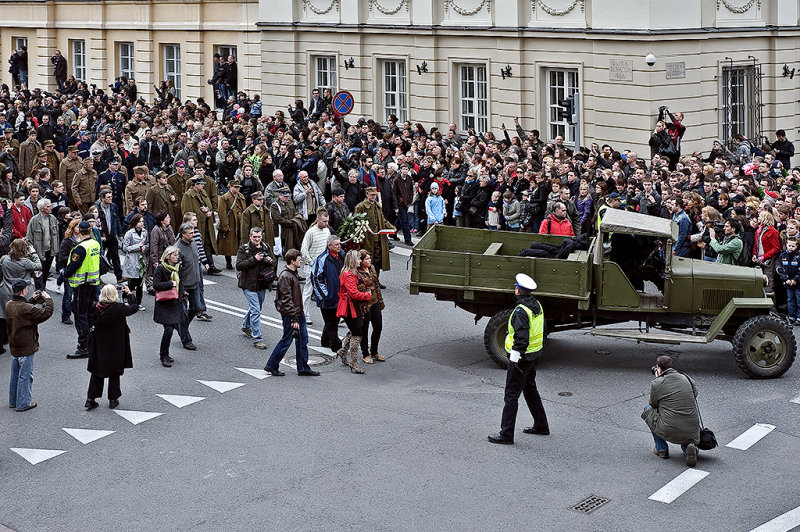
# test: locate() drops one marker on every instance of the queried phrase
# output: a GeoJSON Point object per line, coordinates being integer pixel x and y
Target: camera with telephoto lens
{"type": "Point", "coordinates": [654, 370]}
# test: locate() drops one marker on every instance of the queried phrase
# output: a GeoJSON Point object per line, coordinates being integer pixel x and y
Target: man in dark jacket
{"type": "Point", "coordinates": [338, 210]}
{"type": "Point", "coordinates": [289, 302]}
{"type": "Point", "coordinates": [191, 279]}
{"type": "Point", "coordinates": [59, 68]}
{"type": "Point", "coordinates": [783, 149]}
{"type": "Point", "coordinates": [672, 413]}
{"type": "Point", "coordinates": [22, 320]}
{"type": "Point", "coordinates": [253, 262]}
{"type": "Point", "coordinates": [325, 279]}
{"type": "Point", "coordinates": [524, 345]}
{"type": "Point", "coordinates": [403, 189]}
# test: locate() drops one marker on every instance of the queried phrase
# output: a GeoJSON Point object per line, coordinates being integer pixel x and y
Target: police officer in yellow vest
{"type": "Point", "coordinates": [83, 275]}
{"type": "Point", "coordinates": [524, 345]}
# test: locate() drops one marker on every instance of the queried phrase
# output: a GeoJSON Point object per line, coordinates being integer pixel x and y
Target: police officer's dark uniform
{"type": "Point", "coordinates": [524, 345]}
{"type": "Point", "coordinates": [83, 275]}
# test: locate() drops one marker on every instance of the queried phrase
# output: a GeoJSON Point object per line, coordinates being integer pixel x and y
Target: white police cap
{"type": "Point", "coordinates": [525, 282]}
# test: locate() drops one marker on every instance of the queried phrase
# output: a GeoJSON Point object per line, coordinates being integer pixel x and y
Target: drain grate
{"type": "Point", "coordinates": [590, 504]}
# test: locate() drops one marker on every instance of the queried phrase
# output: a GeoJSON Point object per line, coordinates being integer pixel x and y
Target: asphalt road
{"type": "Point", "coordinates": [401, 447]}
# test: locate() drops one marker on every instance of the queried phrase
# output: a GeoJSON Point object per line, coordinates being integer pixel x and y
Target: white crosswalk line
{"type": "Point", "coordinates": [263, 317]}
{"type": "Point", "coordinates": [678, 486]}
{"type": "Point", "coordinates": [259, 374]}
{"type": "Point", "coordinates": [35, 456]}
{"type": "Point", "coordinates": [751, 436]}
{"type": "Point", "coordinates": [180, 400]}
{"type": "Point", "coordinates": [240, 314]}
{"type": "Point", "coordinates": [136, 417]}
{"type": "Point", "coordinates": [796, 400]}
{"type": "Point", "coordinates": [222, 386]}
{"type": "Point", "coordinates": [88, 435]}
{"type": "Point", "coordinates": [782, 523]}
{"type": "Point", "coordinates": [206, 282]}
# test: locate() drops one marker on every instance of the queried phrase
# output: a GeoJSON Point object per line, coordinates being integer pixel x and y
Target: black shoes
{"type": "Point", "coordinates": [308, 373]}
{"type": "Point", "coordinates": [190, 346]}
{"type": "Point", "coordinates": [91, 403]}
{"type": "Point", "coordinates": [167, 362]}
{"type": "Point", "coordinates": [81, 352]}
{"type": "Point", "coordinates": [214, 271]}
{"type": "Point", "coordinates": [383, 287]}
{"type": "Point", "coordinates": [275, 372]}
{"type": "Point", "coordinates": [66, 321]}
{"type": "Point", "coordinates": [204, 316]}
{"type": "Point", "coordinates": [496, 438]}
{"type": "Point", "coordinates": [113, 403]}
{"type": "Point", "coordinates": [534, 430]}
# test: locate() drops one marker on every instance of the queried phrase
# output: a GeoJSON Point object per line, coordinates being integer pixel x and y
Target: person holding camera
{"type": "Point", "coordinates": [672, 414]}
{"type": "Point", "coordinates": [524, 345]}
{"type": "Point", "coordinates": [289, 302]}
{"type": "Point", "coordinates": [731, 247]}
{"type": "Point", "coordinates": [22, 262]}
{"type": "Point", "coordinates": [255, 265]}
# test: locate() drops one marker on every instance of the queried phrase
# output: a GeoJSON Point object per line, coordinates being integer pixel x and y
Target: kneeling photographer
{"type": "Point", "coordinates": [672, 414]}
{"type": "Point", "coordinates": [728, 246]}
{"type": "Point", "coordinates": [255, 265]}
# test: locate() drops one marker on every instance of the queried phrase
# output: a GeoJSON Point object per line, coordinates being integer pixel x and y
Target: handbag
{"type": "Point", "coordinates": [105, 266]}
{"type": "Point", "coordinates": [167, 295]}
{"type": "Point", "coordinates": [707, 439]}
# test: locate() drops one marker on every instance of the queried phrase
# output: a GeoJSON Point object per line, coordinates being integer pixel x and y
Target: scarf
{"type": "Point", "coordinates": [173, 272]}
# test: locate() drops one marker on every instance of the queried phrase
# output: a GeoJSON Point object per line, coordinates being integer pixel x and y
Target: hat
{"type": "Point", "coordinates": [84, 132]}
{"type": "Point", "coordinates": [234, 183]}
{"type": "Point", "coordinates": [283, 191]}
{"type": "Point", "coordinates": [73, 149]}
{"type": "Point", "coordinates": [180, 164]}
{"type": "Point", "coordinates": [115, 160]}
{"type": "Point", "coordinates": [371, 189]}
{"type": "Point", "coordinates": [97, 152]}
{"type": "Point", "coordinates": [199, 180]}
{"type": "Point", "coordinates": [524, 282]}
{"type": "Point", "coordinates": [84, 226]}
{"type": "Point", "coordinates": [256, 195]}
{"type": "Point", "coordinates": [18, 285]}
{"type": "Point", "coordinates": [9, 128]}
{"type": "Point", "coordinates": [434, 186]}
{"type": "Point", "coordinates": [41, 153]}
{"type": "Point", "coordinates": [88, 160]}
{"type": "Point", "coordinates": [613, 195]}
{"type": "Point", "coordinates": [160, 174]}
{"type": "Point", "coordinates": [49, 143]}
{"type": "Point", "coordinates": [737, 198]}
{"type": "Point", "coordinates": [338, 191]}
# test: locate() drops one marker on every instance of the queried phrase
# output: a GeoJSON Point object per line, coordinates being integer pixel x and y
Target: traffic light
{"type": "Point", "coordinates": [567, 110]}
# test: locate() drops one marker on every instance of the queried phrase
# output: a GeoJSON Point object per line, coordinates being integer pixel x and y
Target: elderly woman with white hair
{"type": "Point", "coordinates": [110, 345]}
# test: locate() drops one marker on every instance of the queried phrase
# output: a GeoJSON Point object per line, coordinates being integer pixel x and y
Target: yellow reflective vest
{"type": "Point", "coordinates": [535, 331]}
{"type": "Point", "coordinates": [89, 270]}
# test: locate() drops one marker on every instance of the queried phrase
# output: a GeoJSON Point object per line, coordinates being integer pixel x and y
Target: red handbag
{"type": "Point", "coordinates": [167, 295]}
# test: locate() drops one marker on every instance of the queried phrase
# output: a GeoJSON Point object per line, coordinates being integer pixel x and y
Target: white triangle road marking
{"type": "Point", "coordinates": [206, 282]}
{"type": "Point", "coordinates": [259, 374]}
{"type": "Point", "coordinates": [88, 435]}
{"type": "Point", "coordinates": [34, 456]}
{"type": "Point", "coordinates": [222, 386]}
{"type": "Point", "coordinates": [137, 417]}
{"type": "Point", "coordinates": [180, 400]}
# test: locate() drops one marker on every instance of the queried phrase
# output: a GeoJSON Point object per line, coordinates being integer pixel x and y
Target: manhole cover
{"type": "Point", "coordinates": [565, 394]}
{"type": "Point", "coordinates": [590, 504]}
{"type": "Point", "coordinates": [603, 352]}
{"type": "Point", "coordinates": [314, 359]}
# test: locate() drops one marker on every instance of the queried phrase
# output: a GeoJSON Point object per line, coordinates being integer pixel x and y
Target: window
{"type": "Point", "coordinates": [472, 97]}
{"type": "Point", "coordinates": [172, 66]}
{"type": "Point", "coordinates": [125, 59]}
{"type": "Point", "coordinates": [19, 42]}
{"type": "Point", "coordinates": [225, 51]}
{"type": "Point", "coordinates": [741, 109]}
{"type": "Point", "coordinates": [325, 73]}
{"type": "Point", "coordinates": [561, 84]}
{"type": "Point", "coordinates": [394, 90]}
{"type": "Point", "coordinates": [78, 52]}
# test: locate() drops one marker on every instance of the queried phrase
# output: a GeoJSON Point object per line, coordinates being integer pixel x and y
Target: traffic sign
{"type": "Point", "coordinates": [343, 103]}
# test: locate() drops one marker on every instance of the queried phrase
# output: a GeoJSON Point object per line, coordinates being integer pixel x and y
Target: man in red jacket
{"type": "Point", "coordinates": [557, 223]}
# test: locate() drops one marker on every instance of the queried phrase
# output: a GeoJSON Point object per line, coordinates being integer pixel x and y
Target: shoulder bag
{"type": "Point", "coordinates": [707, 439]}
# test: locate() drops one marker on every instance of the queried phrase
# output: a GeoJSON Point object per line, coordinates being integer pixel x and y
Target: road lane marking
{"type": "Point", "coordinates": [678, 486]}
{"type": "Point", "coordinates": [35, 456]}
{"type": "Point", "coordinates": [88, 435]}
{"type": "Point", "coordinates": [239, 313]}
{"type": "Point", "coordinates": [782, 523]}
{"type": "Point", "coordinates": [268, 318]}
{"type": "Point", "coordinates": [796, 400]}
{"type": "Point", "coordinates": [751, 436]}
{"type": "Point", "coordinates": [206, 282]}
{"type": "Point", "coordinates": [180, 400]}
{"type": "Point", "coordinates": [222, 386]}
{"type": "Point", "coordinates": [137, 417]}
{"type": "Point", "coordinates": [259, 374]}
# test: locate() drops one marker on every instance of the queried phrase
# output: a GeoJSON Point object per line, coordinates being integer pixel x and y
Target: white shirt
{"type": "Point", "coordinates": [314, 242]}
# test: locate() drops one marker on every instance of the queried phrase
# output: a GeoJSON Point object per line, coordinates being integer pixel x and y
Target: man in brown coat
{"type": "Point", "coordinates": [22, 320]}
{"type": "Point", "coordinates": [41, 162]}
{"type": "Point", "coordinates": [231, 208]}
{"type": "Point", "coordinates": [53, 157]}
{"type": "Point", "coordinates": [287, 222]}
{"type": "Point", "coordinates": [180, 181]}
{"type": "Point", "coordinates": [27, 153]}
{"type": "Point", "coordinates": [70, 166]}
{"type": "Point", "coordinates": [376, 245]}
{"type": "Point", "coordinates": [138, 187]}
{"type": "Point", "coordinates": [161, 197]}
{"type": "Point", "coordinates": [83, 184]}
{"type": "Point", "coordinates": [196, 200]}
{"type": "Point", "coordinates": [257, 215]}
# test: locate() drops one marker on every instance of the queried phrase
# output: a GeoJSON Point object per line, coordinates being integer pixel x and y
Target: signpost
{"type": "Point", "coordinates": [343, 103]}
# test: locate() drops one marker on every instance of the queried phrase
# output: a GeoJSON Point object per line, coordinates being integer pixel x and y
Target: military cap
{"type": "Point", "coordinates": [524, 282]}
{"type": "Point", "coordinates": [256, 195]}
{"type": "Point", "coordinates": [180, 164]}
{"type": "Point", "coordinates": [371, 189]}
{"type": "Point", "coordinates": [41, 153]}
{"type": "Point", "coordinates": [115, 160]}
{"type": "Point", "coordinates": [234, 183]}
{"type": "Point", "coordinates": [337, 191]}
{"type": "Point", "coordinates": [73, 149]}
{"type": "Point", "coordinates": [199, 180]}
{"type": "Point", "coordinates": [49, 143]}
{"type": "Point", "coordinates": [283, 191]}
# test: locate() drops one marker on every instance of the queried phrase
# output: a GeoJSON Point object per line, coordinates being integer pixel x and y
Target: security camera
{"type": "Point", "coordinates": [650, 59]}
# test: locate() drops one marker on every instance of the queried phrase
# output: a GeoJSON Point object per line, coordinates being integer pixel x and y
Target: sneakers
{"type": "Point", "coordinates": [309, 322]}
{"type": "Point", "coordinates": [662, 454]}
{"type": "Point", "coordinates": [691, 455]}
{"type": "Point", "coordinates": [204, 316]}
{"type": "Point", "coordinates": [141, 308]}
{"type": "Point", "coordinates": [260, 345]}
{"type": "Point", "coordinates": [247, 332]}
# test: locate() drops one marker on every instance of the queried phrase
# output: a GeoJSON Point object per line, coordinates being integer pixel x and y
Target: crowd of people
{"type": "Point", "coordinates": [157, 192]}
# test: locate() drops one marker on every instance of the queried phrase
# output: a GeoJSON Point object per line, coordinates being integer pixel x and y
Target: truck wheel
{"type": "Point", "coordinates": [494, 337]}
{"type": "Point", "coordinates": [764, 347]}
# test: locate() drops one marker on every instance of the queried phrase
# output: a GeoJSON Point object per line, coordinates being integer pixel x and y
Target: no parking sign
{"type": "Point", "coordinates": [343, 103]}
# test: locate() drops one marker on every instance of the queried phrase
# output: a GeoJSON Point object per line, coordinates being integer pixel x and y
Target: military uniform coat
{"type": "Point", "coordinates": [66, 172]}
{"type": "Point", "coordinates": [375, 244]}
{"type": "Point", "coordinates": [231, 209]}
{"type": "Point", "coordinates": [83, 184]}
{"type": "Point", "coordinates": [180, 184]}
{"type": "Point", "coordinates": [192, 201]}
{"type": "Point", "coordinates": [135, 189]}
{"type": "Point", "coordinates": [158, 200]}
{"type": "Point", "coordinates": [256, 217]}
{"type": "Point", "coordinates": [27, 156]}
{"type": "Point", "coordinates": [292, 227]}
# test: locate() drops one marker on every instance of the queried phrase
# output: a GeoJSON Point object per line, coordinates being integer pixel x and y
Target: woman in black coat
{"type": "Point", "coordinates": [109, 346]}
{"type": "Point", "coordinates": [168, 312]}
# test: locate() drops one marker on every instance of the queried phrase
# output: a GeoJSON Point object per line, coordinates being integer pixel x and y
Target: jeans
{"type": "Point", "coordinates": [166, 338]}
{"type": "Point", "coordinates": [191, 306]}
{"type": "Point", "coordinates": [23, 77]}
{"type": "Point", "coordinates": [661, 443]}
{"type": "Point", "coordinates": [19, 390]}
{"type": "Point", "coordinates": [793, 300]}
{"type": "Point", "coordinates": [252, 320]}
{"type": "Point", "coordinates": [402, 217]}
{"type": "Point", "coordinates": [66, 302]}
{"type": "Point", "coordinates": [301, 344]}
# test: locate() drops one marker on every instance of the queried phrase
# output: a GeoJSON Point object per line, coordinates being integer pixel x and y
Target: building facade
{"type": "Point", "coordinates": [480, 63]}
{"type": "Point", "coordinates": [149, 41]}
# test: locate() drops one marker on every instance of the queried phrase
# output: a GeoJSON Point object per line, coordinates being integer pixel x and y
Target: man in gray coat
{"type": "Point", "coordinates": [672, 413]}
{"type": "Point", "coordinates": [43, 236]}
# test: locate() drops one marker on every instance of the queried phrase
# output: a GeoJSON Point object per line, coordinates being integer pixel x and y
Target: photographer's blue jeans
{"type": "Point", "coordinates": [301, 345]}
{"type": "Point", "coordinates": [252, 320]}
{"type": "Point", "coordinates": [661, 443]}
{"type": "Point", "coordinates": [19, 389]}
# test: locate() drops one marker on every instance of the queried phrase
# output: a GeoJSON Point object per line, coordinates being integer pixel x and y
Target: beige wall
{"type": "Point", "coordinates": [198, 26]}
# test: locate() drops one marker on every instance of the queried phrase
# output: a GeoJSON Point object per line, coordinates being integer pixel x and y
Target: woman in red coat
{"type": "Point", "coordinates": [349, 291]}
{"type": "Point", "coordinates": [766, 245]}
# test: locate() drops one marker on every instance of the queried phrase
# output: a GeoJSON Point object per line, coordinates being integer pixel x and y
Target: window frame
{"type": "Point", "coordinates": [78, 59]}
{"type": "Point", "coordinates": [394, 85]}
{"type": "Point", "coordinates": [227, 49]}
{"type": "Point", "coordinates": [569, 85]}
{"type": "Point", "coordinates": [122, 58]}
{"type": "Point", "coordinates": [330, 72]}
{"type": "Point", "coordinates": [477, 99]}
{"type": "Point", "coordinates": [175, 74]}
{"type": "Point", "coordinates": [738, 115]}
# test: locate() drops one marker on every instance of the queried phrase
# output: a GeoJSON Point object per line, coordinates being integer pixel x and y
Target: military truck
{"type": "Point", "coordinates": [602, 289]}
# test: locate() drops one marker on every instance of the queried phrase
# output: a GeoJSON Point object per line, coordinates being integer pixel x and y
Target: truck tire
{"type": "Point", "coordinates": [764, 347]}
{"type": "Point", "coordinates": [494, 336]}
